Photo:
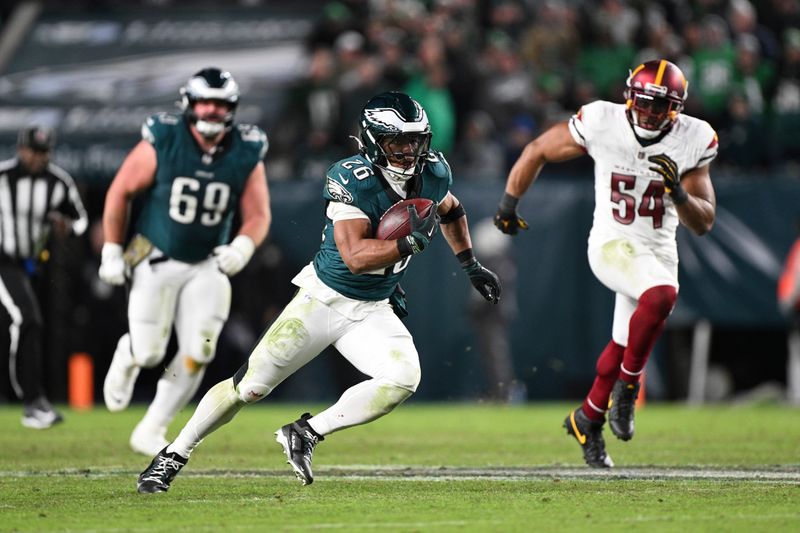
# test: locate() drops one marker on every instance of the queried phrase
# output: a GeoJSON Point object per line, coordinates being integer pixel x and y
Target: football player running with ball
{"type": "Point", "coordinates": [348, 295]}
{"type": "Point", "coordinates": [651, 168]}
{"type": "Point", "coordinates": [194, 170]}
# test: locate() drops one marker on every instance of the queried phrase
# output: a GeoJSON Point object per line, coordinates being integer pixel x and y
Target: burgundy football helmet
{"type": "Point", "coordinates": [656, 91]}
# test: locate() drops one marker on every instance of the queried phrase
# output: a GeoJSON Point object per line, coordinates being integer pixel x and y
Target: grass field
{"type": "Point", "coordinates": [449, 467]}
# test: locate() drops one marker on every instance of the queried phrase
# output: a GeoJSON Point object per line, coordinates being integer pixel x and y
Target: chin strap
{"type": "Point", "coordinates": [646, 134]}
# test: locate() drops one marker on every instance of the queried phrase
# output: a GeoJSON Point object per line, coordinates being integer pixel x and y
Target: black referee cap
{"type": "Point", "coordinates": [37, 138]}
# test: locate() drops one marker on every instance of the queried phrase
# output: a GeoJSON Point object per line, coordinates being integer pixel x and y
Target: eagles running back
{"type": "Point", "coordinates": [629, 198]}
{"type": "Point", "coordinates": [354, 181]}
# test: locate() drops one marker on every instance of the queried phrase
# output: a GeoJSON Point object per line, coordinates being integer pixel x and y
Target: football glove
{"type": "Point", "coordinates": [484, 280]}
{"type": "Point", "coordinates": [113, 269]}
{"type": "Point", "coordinates": [398, 302]}
{"type": "Point", "coordinates": [507, 219]}
{"type": "Point", "coordinates": [422, 231]}
{"type": "Point", "coordinates": [668, 169]}
{"type": "Point", "coordinates": [232, 258]}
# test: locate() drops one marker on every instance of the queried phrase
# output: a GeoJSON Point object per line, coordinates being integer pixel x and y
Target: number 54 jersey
{"type": "Point", "coordinates": [189, 209]}
{"type": "Point", "coordinates": [630, 201]}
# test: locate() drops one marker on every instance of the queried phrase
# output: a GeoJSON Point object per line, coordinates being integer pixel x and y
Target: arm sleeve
{"type": "Point", "coordinates": [337, 211]}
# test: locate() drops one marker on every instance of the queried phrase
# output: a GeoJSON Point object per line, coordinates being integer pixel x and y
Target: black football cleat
{"type": "Point", "coordinates": [162, 470]}
{"type": "Point", "coordinates": [589, 435]}
{"type": "Point", "coordinates": [622, 405]}
{"type": "Point", "coordinates": [298, 441]}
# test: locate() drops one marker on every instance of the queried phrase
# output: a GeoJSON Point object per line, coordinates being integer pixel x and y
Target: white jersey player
{"type": "Point", "coordinates": [651, 172]}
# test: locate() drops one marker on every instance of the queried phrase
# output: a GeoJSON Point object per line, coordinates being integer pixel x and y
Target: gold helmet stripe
{"type": "Point", "coordinates": [662, 66]}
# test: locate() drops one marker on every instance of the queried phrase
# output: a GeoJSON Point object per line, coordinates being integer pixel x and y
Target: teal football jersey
{"type": "Point", "coordinates": [357, 182]}
{"type": "Point", "coordinates": [189, 209]}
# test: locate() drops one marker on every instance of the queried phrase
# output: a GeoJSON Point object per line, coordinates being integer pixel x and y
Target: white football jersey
{"type": "Point", "coordinates": [630, 200]}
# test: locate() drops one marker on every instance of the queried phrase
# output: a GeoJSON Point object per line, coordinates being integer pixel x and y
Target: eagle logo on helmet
{"type": "Point", "coordinates": [210, 84]}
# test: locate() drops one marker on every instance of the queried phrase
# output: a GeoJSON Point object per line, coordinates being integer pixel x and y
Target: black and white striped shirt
{"type": "Point", "coordinates": [27, 201]}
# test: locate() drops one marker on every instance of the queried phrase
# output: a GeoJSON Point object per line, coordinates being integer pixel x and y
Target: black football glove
{"type": "Point", "coordinates": [398, 302]}
{"type": "Point", "coordinates": [484, 280]}
{"type": "Point", "coordinates": [668, 169]}
{"type": "Point", "coordinates": [422, 231]}
{"type": "Point", "coordinates": [507, 219]}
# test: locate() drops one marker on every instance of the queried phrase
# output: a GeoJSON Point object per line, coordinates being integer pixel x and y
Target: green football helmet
{"type": "Point", "coordinates": [399, 119]}
{"type": "Point", "coordinates": [210, 84]}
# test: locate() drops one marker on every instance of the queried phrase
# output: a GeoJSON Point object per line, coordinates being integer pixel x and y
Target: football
{"type": "Point", "coordinates": [394, 223]}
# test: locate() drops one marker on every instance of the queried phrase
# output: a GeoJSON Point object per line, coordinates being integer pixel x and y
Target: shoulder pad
{"type": "Point", "coordinates": [345, 178]}
{"type": "Point", "coordinates": [438, 166]}
{"type": "Point", "coordinates": [254, 135]}
{"type": "Point", "coordinates": [596, 113]}
{"type": "Point", "coordinates": [159, 126]}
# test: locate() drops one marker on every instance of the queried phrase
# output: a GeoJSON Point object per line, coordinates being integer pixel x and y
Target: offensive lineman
{"type": "Point", "coordinates": [641, 150]}
{"type": "Point", "coordinates": [348, 296]}
{"type": "Point", "coordinates": [195, 169]}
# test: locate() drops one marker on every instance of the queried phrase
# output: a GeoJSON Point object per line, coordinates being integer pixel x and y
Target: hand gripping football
{"type": "Point", "coordinates": [394, 224]}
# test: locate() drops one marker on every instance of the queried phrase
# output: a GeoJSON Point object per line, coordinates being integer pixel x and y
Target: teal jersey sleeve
{"type": "Point", "coordinates": [254, 141]}
{"type": "Point", "coordinates": [437, 177]}
{"type": "Point", "coordinates": [190, 207]}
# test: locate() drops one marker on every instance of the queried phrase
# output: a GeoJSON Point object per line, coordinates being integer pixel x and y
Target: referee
{"type": "Point", "coordinates": [35, 197]}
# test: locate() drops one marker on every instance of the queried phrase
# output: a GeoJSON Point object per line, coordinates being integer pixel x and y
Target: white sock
{"type": "Point", "coordinates": [361, 403]}
{"type": "Point", "coordinates": [218, 407]}
{"type": "Point", "coordinates": [175, 389]}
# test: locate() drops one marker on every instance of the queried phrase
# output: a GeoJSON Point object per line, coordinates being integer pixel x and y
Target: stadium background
{"type": "Point", "coordinates": [492, 75]}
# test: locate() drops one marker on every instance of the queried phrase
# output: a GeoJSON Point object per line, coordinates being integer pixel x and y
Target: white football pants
{"type": "Point", "coordinates": [378, 345]}
{"type": "Point", "coordinates": [196, 298]}
{"type": "Point", "coordinates": [629, 268]}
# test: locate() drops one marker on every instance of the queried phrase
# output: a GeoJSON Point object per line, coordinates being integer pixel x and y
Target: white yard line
{"type": "Point", "coordinates": [394, 473]}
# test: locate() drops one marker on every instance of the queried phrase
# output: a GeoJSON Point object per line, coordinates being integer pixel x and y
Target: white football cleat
{"type": "Point", "coordinates": [121, 377]}
{"type": "Point", "coordinates": [148, 440]}
{"type": "Point", "coordinates": [39, 414]}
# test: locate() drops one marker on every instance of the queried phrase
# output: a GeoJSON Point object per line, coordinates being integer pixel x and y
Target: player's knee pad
{"type": "Point", "coordinates": [147, 360]}
{"type": "Point", "coordinates": [251, 391]}
{"type": "Point", "coordinates": [389, 395]}
{"type": "Point", "coordinates": [406, 376]}
{"type": "Point", "coordinates": [148, 349]}
{"type": "Point", "coordinates": [659, 300]}
{"type": "Point", "coordinates": [248, 389]}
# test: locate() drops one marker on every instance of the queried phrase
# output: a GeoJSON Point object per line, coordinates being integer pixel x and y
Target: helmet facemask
{"type": "Point", "coordinates": [651, 112]}
{"type": "Point", "coordinates": [210, 84]}
{"type": "Point", "coordinates": [656, 91]}
{"type": "Point", "coordinates": [403, 154]}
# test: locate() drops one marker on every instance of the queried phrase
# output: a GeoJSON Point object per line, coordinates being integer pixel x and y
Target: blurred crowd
{"type": "Point", "coordinates": [492, 74]}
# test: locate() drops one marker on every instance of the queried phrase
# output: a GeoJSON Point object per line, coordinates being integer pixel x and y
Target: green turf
{"type": "Point", "coordinates": [81, 476]}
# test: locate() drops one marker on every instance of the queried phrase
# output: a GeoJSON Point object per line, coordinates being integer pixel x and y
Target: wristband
{"type": "Point", "coordinates": [679, 195]}
{"type": "Point", "coordinates": [466, 258]}
{"type": "Point", "coordinates": [508, 202]}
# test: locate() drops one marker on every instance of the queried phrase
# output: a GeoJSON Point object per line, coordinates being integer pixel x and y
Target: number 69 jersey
{"type": "Point", "coordinates": [630, 200]}
{"type": "Point", "coordinates": [354, 181]}
{"type": "Point", "coordinates": [189, 209]}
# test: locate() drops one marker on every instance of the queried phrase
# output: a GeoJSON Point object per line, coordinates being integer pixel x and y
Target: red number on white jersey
{"type": "Point", "coordinates": [652, 200]}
